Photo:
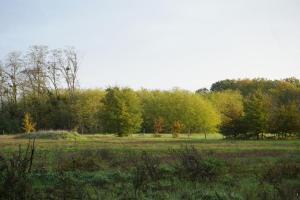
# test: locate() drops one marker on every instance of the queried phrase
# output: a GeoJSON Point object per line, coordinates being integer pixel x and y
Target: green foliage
{"type": "Point", "coordinates": [256, 108]}
{"type": "Point", "coordinates": [276, 173]}
{"type": "Point", "coordinates": [194, 166]}
{"type": "Point", "coordinates": [230, 105]}
{"type": "Point", "coordinates": [146, 170]}
{"type": "Point", "coordinates": [248, 86]}
{"type": "Point", "coordinates": [285, 109]}
{"type": "Point", "coordinates": [83, 161]}
{"type": "Point", "coordinates": [257, 115]}
{"type": "Point", "coordinates": [122, 112]}
{"type": "Point", "coordinates": [284, 177]}
{"type": "Point", "coordinates": [194, 111]}
{"type": "Point", "coordinates": [78, 112]}
{"type": "Point", "coordinates": [15, 180]}
{"type": "Point", "coordinates": [87, 108]}
{"type": "Point", "coordinates": [108, 167]}
{"type": "Point", "coordinates": [269, 106]}
{"type": "Point", "coordinates": [10, 119]}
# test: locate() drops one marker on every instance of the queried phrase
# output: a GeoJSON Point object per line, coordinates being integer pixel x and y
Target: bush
{"type": "Point", "coordinates": [280, 171]}
{"type": "Point", "coordinates": [284, 177]}
{"type": "Point", "coordinates": [289, 189]}
{"type": "Point", "coordinates": [106, 154]}
{"type": "Point", "coordinates": [15, 182]}
{"type": "Point", "coordinates": [147, 170]}
{"type": "Point", "coordinates": [194, 166]}
{"type": "Point", "coordinates": [67, 186]}
{"type": "Point", "coordinates": [82, 161]}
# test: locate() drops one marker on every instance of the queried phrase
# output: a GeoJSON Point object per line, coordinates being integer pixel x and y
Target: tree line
{"type": "Point", "coordinates": [262, 106]}
{"type": "Point", "coordinates": [43, 83]}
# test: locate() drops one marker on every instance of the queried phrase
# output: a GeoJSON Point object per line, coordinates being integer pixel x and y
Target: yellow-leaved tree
{"type": "Point", "coordinates": [158, 126]}
{"type": "Point", "coordinates": [176, 128]}
{"type": "Point", "coordinates": [28, 124]}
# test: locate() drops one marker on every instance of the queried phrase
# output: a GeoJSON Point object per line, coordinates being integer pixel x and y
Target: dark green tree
{"type": "Point", "coordinates": [285, 115]}
{"type": "Point", "coordinates": [122, 112]}
{"type": "Point", "coordinates": [230, 105]}
{"type": "Point", "coordinates": [257, 107]}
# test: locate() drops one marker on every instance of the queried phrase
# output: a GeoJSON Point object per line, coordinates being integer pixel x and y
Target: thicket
{"type": "Point", "coordinates": [182, 173]}
{"type": "Point", "coordinates": [41, 87]}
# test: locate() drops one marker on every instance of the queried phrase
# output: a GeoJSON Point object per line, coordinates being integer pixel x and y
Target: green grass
{"type": "Point", "coordinates": [53, 135]}
{"type": "Point", "coordinates": [138, 142]}
{"type": "Point", "coordinates": [107, 164]}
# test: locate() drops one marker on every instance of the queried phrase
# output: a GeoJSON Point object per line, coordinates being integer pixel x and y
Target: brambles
{"type": "Point", "coordinates": [146, 170]}
{"type": "Point", "coordinates": [15, 180]}
{"type": "Point", "coordinates": [151, 164]}
{"type": "Point", "coordinates": [280, 171]}
{"type": "Point", "coordinates": [77, 162]}
{"type": "Point", "coordinates": [67, 186]}
{"type": "Point", "coordinates": [284, 176]}
{"type": "Point", "coordinates": [85, 160]}
{"type": "Point", "coordinates": [191, 164]}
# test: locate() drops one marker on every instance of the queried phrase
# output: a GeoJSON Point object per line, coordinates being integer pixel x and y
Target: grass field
{"type": "Point", "coordinates": [146, 167]}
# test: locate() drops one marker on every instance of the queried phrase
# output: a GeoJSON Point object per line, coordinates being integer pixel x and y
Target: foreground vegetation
{"type": "Point", "coordinates": [147, 167]}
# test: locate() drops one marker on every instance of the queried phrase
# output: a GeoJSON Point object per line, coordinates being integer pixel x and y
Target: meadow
{"type": "Point", "coordinates": [118, 134]}
{"type": "Point", "coordinates": [142, 166]}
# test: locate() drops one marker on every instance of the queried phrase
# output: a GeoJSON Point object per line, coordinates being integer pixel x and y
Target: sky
{"type": "Point", "coordinates": [161, 44]}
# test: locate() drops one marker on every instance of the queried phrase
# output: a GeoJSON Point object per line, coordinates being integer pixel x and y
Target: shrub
{"type": "Point", "coordinates": [83, 161]}
{"type": "Point", "coordinates": [67, 186]}
{"type": "Point", "coordinates": [145, 171]}
{"type": "Point", "coordinates": [105, 154]}
{"type": "Point", "coordinates": [15, 182]}
{"type": "Point", "coordinates": [283, 170]}
{"type": "Point", "coordinates": [191, 164]}
{"type": "Point", "coordinates": [289, 189]}
{"type": "Point", "coordinates": [284, 176]}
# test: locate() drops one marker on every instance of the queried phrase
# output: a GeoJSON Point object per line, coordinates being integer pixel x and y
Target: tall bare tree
{"type": "Point", "coordinates": [2, 86]}
{"type": "Point", "coordinates": [70, 68]}
{"type": "Point", "coordinates": [54, 66]}
{"type": "Point", "coordinates": [12, 71]}
{"type": "Point", "coordinates": [36, 68]}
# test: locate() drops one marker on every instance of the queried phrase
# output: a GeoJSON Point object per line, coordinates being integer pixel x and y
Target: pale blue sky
{"type": "Point", "coordinates": [161, 43]}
